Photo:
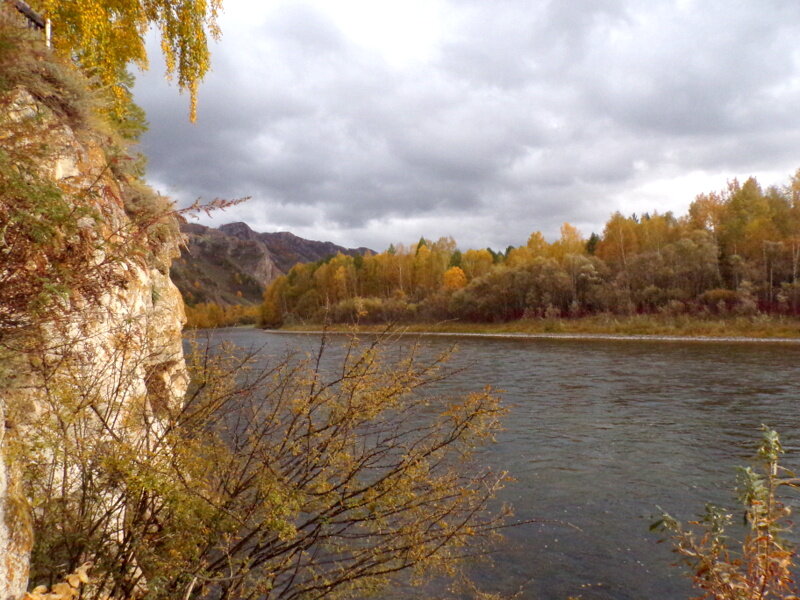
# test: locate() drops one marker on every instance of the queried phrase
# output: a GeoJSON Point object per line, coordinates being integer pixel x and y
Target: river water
{"type": "Point", "coordinates": [600, 433]}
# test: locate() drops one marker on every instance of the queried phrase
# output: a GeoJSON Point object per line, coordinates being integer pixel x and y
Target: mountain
{"type": "Point", "coordinates": [233, 264]}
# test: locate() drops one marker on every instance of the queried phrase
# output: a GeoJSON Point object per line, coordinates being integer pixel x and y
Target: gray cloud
{"type": "Point", "coordinates": [526, 115]}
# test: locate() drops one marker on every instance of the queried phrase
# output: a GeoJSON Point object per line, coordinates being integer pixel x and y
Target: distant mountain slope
{"type": "Point", "coordinates": [286, 249]}
{"type": "Point", "coordinates": [233, 264]}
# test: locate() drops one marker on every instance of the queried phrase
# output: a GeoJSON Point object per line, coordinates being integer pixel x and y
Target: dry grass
{"type": "Point", "coordinates": [759, 326]}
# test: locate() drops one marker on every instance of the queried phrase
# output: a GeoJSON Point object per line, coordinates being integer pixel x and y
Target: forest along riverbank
{"type": "Point", "coordinates": [598, 436]}
{"type": "Point", "coordinates": [546, 336]}
{"type": "Point", "coordinates": [679, 327]}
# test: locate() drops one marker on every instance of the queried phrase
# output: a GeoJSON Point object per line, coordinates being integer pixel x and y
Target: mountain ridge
{"type": "Point", "coordinates": [232, 264]}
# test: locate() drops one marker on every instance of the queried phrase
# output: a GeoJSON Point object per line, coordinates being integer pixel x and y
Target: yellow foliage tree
{"type": "Point", "coordinates": [454, 279]}
{"type": "Point", "coordinates": [571, 242]}
{"type": "Point", "coordinates": [536, 247]}
{"type": "Point", "coordinates": [426, 269]}
{"type": "Point", "coordinates": [476, 263]}
{"type": "Point", "coordinates": [619, 241]}
{"type": "Point", "coordinates": [271, 310]}
{"type": "Point", "coordinates": [537, 244]}
{"type": "Point", "coordinates": [105, 36]}
{"type": "Point", "coordinates": [656, 231]}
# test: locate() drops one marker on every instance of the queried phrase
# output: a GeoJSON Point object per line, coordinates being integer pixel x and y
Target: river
{"type": "Point", "coordinates": [599, 434]}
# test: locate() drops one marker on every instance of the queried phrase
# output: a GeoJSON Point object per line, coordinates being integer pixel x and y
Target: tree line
{"type": "Point", "coordinates": [208, 315]}
{"type": "Point", "coordinates": [736, 251]}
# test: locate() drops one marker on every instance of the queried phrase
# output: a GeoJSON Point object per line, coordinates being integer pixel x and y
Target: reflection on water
{"type": "Point", "coordinates": [599, 434]}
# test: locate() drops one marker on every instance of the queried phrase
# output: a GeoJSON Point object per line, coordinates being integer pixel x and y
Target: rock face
{"type": "Point", "coordinates": [288, 249]}
{"type": "Point", "coordinates": [15, 542]}
{"type": "Point", "coordinates": [130, 333]}
{"type": "Point", "coordinates": [233, 264]}
{"type": "Point", "coordinates": [226, 269]}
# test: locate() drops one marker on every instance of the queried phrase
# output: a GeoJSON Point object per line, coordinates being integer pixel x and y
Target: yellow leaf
{"type": "Point", "coordinates": [81, 572]}
{"type": "Point", "coordinates": [63, 590]}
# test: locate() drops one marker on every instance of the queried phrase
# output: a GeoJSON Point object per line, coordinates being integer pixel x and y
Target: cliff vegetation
{"type": "Point", "coordinates": [125, 474]}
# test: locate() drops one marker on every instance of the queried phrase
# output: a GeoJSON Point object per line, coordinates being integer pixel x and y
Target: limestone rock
{"type": "Point", "coordinates": [131, 334]}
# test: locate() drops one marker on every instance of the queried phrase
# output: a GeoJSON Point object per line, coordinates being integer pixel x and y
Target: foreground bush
{"type": "Point", "coordinates": [761, 567]}
{"type": "Point", "coordinates": [290, 481]}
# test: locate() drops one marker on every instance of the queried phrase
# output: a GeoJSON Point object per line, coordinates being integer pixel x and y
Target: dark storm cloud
{"type": "Point", "coordinates": [526, 115]}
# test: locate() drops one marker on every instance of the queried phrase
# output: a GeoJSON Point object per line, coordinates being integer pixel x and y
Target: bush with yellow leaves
{"type": "Point", "coordinates": [304, 478]}
{"type": "Point", "coordinates": [69, 589]}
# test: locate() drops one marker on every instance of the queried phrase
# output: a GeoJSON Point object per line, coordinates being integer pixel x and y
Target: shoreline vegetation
{"type": "Point", "coordinates": [760, 328]}
{"type": "Point", "coordinates": [729, 267]}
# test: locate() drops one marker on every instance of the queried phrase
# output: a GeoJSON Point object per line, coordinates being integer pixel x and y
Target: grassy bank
{"type": "Point", "coordinates": [760, 326]}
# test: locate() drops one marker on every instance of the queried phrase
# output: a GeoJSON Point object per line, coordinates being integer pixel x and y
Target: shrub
{"type": "Point", "coordinates": [719, 299]}
{"type": "Point", "coordinates": [288, 481]}
{"type": "Point", "coordinates": [62, 241]}
{"type": "Point", "coordinates": [762, 567]}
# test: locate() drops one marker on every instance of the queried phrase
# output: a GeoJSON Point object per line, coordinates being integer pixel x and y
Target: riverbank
{"type": "Point", "coordinates": [603, 327]}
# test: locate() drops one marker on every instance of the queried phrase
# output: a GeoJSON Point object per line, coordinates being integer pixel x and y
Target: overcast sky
{"type": "Point", "coordinates": [367, 122]}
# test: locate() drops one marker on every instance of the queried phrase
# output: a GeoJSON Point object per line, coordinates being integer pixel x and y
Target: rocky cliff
{"type": "Point", "coordinates": [221, 268]}
{"type": "Point", "coordinates": [87, 304]}
{"type": "Point", "coordinates": [233, 264]}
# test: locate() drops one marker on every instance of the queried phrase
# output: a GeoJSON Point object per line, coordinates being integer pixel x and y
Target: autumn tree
{"type": "Point", "coordinates": [206, 315]}
{"type": "Point", "coordinates": [476, 263]}
{"type": "Point", "coordinates": [793, 241]}
{"type": "Point", "coordinates": [619, 242]}
{"type": "Point", "coordinates": [585, 273]}
{"type": "Point", "coordinates": [706, 212]}
{"type": "Point", "coordinates": [425, 273]}
{"type": "Point", "coordinates": [105, 36]}
{"type": "Point", "coordinates": [656, 231]}
{"type": "Point", "coordinates": [571, 243]}
{"type": "Point", "coordinates": [535, 247]}
{"type": "Point", "coordinates": [498, 295]}
{"type": "Point", "coordinates": [454, 279]}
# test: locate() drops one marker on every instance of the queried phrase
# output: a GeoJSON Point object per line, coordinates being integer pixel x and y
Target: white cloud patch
{"type": "Point", "coordinates": [368, 123]}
